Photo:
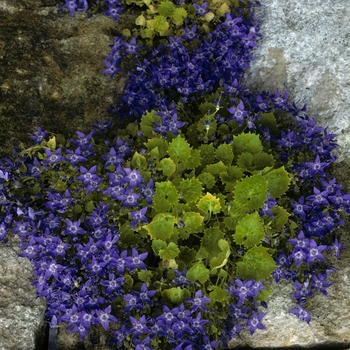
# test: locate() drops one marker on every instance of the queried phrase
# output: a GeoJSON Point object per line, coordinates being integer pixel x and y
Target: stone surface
{"type": "Point", "coordinates": [50, 69]}
{"type": "Point", "coordinates": [305, 49]}
{"type": "Point", "coordinates": [21, 314]}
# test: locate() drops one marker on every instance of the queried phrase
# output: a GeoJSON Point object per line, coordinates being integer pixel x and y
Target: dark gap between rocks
{"type": "Point", "coordinates": [51, 344]}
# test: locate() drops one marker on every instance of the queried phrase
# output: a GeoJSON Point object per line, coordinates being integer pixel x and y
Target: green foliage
{"type": "Point", "coordinates": [257, 264]}
{"type": "Point", "coordinates": [161, 18]}
{"type": "Point", "coordinates": [207, 202]}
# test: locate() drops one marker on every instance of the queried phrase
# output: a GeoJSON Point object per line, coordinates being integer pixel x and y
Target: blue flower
{"type": "Point", "coordinates": [201, 10]}
{"type": "Point", "coordinates": [104, 317]}
{"type": "Point", "coordinates": [301, 313]}
{"type": "Point", "coordinates": [254, 322]}
{"type": "Point", "coordinates": [38, 136]}
{"type": "Point", "coordinates": [198, 302]}
{"type": "Point", "coordinates": [238, 114]}
{"type": "Point", "coordinates": [138, 217]}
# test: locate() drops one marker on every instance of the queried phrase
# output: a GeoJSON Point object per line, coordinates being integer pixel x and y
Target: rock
{"type": "Point", "coordinates": [21, 314]}
{"type": "Point", "coordinates": [305, 49]}
{"type": "Point", "coordinates": [50, 68]}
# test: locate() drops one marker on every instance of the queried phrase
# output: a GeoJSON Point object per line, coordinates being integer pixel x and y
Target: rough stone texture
{"type": "Point", "coordinates": [50, 69]}
{"type": "Point", "coordinates": [20, 312]}
{"type": "Point", "coordinates": [305, 50]}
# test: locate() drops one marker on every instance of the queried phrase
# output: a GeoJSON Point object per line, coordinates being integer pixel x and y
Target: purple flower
{"type": "Point", "coordinates": [3, 232]}
{"type": "Point", "coordinates": [138, 217]}
{"type": "Point", "coordinates": [113, 284]}
{"type": "Point", "coordinates": [320, 283]}
{"type": "Point", "coordinates": [133, 177]}
{"type": "Point", "coordinates": [132, 302]}
{"type": "Point", "coordinates": [112, 158]}
{"type": "Point", "coordinates": [38, 136]}
{"type": "Point", "coordinates": [301, 242]}
{"type": "Point", "coordinates": [73, 228]}
{"type": "Point", "coordinates": [298, 255]}
{"type": "Point", "coordinates": [145, 295]}
{"type": "Point", "coordinates": [190, 34]}
{"type": "Point", "coordinates": [112, 68]}
{"type": "Point", "coordinates": [131, 48]}
{"type": "Point", "coordinates": [147, 191]}
{"type": "Point", "coordinates": [113, 12]}
{"type": "Point", "coordinates": [197, 323]}
{"type": "Point", "coordinates": [71, 5]}
{"type": "Point", "coordinates": [88, 175]}
{"type": "Point", "coordinates": [300, 208]}
{"type": "Point", "coordinates": [238, 113]}
{"type": "Point", "coordinates": [318, 198]}
{"type": "Point", "coordinates": [104, 317]}
{"type": "Point", "coordinates": [301, 313]}
{"type": "Point", "coordinates": [129, 199]}
{"type": "Point", "coordinates": [181, 279]}
{"type": "Point", "coordinates": [138, 326]}
{"type": "Point", "coordinates": [315, 252]}
{"type": "Point", "coordinates": [255, 322]}
{"type": "Point", "coordinates": [336, 246]}
{"type": "Point", "coordinates": [52, 157]}
{"type": "Point", "coordinates": [75, 157]}
{"type": "Point", "coordinates": [268, 204]}
{"type": "Point", "coordinates": [83, 140]}
{"type": "Point", "coordinates": [123, 261]}
{"type": "Point", "coordinates": [137, 260]}
{"type": "Point", "coordinates": [198, 302]}
{"type": "Point", "coordinates": [242, 290]}
{"type": "Point", "coordinates": [302, 290]}
{"type": "Point", "coordinates": [316, 167]}
{"type": "Point", "coordinates": [201, 10]}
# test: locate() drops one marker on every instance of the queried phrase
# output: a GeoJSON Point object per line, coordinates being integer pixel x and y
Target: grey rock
{"type": "Point", "coordinates": [305, 49]}
{"type": "Point", "coordinates": [21, 314]}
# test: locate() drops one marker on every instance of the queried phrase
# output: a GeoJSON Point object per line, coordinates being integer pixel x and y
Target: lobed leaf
{"type": "Point", "coordinates": [249, 231]}
{"type": "Point", "coordinates": [169, 252]}
{"type": "Point", "coordinates": [209, 203]}
{"type": "Point", "coordinates": [247, 143]}
{"type": "Point", "coordinates": [251, 192]}
{"type": "Point", "coordinates": [179, 149]}
{"type": "Point", "coordinates": [191, 189]}
{"type": "Point", "coordinates": [254, 162]}
{"type": "Point", "coordinates": [165, 196]}
{"type": "Point", "coordinates": [224, 153]}
{"type": "Point", "coordinates": [257, 264]}
{"type": "Point", "coordinates": [207, 179]}
{"type": "Point", "coordinates": [198, 272]}
{"type": "Point", "coordinates": [221, 259]}
{"type": "Point", "coordinates": [166, 8]}
{"type": "Point", "coordinates": [161, 227]}
{"type": "Point", "coordinates": [168, 166]}
{"type": "Point", "coordinates": [278, 182]}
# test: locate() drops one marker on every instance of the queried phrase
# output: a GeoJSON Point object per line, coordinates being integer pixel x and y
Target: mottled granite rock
{"type": "Point", "coordinates": [305, 49]}
{"type": "Point", "coordinates": [21, 314]}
